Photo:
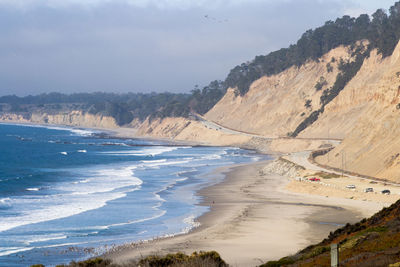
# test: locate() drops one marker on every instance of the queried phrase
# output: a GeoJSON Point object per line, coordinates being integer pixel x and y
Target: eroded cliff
{"type": "Point", "coordinates": [275, 105]}
{"type": "Point", "coordinates": [73, 118]}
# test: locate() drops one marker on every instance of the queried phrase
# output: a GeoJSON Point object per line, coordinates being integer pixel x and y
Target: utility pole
{"type": "Point", "coordinates": [343, 162]}
{"type": "Point", "coordinates": [334, 255]}
{"type": "Point", "coordinates": [328, 140]}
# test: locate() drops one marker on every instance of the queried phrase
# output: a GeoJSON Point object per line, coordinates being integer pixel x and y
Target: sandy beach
{"type": "Point", "coordinates": [254, 218]}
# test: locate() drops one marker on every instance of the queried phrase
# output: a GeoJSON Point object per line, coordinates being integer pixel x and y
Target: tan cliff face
{"type": "Point", "coordinates": [276, 105]}
{"type": "Point", "coordinates": [364, 114]}
{"type": "Point", "coordinates": [375, 85]}
{"type": "Point", "coordinates": [73, 118]}
{"type": "Point", "coordinates": [182, 129]}
{"type": "Point", "coordinates": [372, 146]}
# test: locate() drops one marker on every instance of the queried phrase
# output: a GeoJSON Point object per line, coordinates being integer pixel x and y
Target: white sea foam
{"type": "Point", "coordinates": [81, 132]}
{"type": "Point", "coordinates": [82, 181]}
{"type": "Point", "coordinates": [152, 151]}
{"type": "Point", "coordinates": [153, 161]}
{"type": "Point", "coordinates": [162, 213]}
{"type": "Point", "coordinates": [43, 238]}
{"type": "Point", "coordinates": [33, 189]}
{"type": "Point", "coordinates": [107, 184]}
{"type": "Point", "coordinates": [5, 203]}
{"type": "Point", "coordinates": [4, 251]}
{"type": "Point", "coordinates": [62, 245]}
{"type": "Point", "coordinates": [114, 144]}
{"type": "Point", "coordinates": [192, 223]}
{"type": "Point", "coordinates": [167, 163]}
{"type": "Point", "coordinates": [214, 156]}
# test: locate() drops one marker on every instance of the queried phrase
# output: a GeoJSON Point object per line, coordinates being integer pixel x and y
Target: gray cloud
{"type": "Point", "coordinates": [143, 45]}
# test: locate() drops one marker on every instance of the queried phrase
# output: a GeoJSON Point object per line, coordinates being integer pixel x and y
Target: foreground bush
{"type": "Point", "coordinates": [197, 259]}
{"type": "Point", "coordinates": [212, 259]}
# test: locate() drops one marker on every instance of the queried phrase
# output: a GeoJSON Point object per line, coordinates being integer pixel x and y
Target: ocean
{"type": "Point", "coordinates": [69, 194]}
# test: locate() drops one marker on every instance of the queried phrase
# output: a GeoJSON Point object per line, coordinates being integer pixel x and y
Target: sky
{"type": "Point", "coordinates": [122, 46]}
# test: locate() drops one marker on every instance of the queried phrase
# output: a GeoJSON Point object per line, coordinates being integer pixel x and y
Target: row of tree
{"type": "Point", "coordinates": [382, 32]}
{"type": "Point", "coordinates": [124, 107]}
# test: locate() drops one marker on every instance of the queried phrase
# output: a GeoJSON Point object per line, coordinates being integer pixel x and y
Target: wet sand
{"type": "Point", "coordinates": [253, 219]}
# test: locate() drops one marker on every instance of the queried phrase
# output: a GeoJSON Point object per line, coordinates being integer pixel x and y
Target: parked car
{"type": "Point", "coordinates": [368, 190]}
{"type": "Point", "coordinates": [386, 192]}
{"type": "Point", "coordinates": [351, 186]}
{"type": "Point", "coordinates": [314, 179]}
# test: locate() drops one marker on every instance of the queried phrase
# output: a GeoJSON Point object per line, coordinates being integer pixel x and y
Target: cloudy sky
{"type": "Point", "coordinates": [147, 45]}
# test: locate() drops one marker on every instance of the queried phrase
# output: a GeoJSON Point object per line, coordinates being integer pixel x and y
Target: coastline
{"type": "Point", "coordinates": [117, 133]}
{"type": "Point", "coordinates": [254, 220]}
{"type": "Point", "coordinates": [253, 216]}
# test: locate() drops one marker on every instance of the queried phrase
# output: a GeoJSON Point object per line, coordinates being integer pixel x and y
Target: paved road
{"type": "Point", "coordinates": [301, 158]}
{"type": "Point", "coordinates": [213, 125]}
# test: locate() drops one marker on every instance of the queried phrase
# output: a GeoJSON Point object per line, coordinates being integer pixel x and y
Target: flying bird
{"type": "Point", "coordinates": [215, 19]}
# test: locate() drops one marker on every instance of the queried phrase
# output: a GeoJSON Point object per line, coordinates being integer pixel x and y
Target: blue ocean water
{"type": "Point", "coordinates": [68, 194]}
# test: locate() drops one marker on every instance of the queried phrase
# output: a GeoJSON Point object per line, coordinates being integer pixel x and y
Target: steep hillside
{"type": "Point", "coordinates": [369, 106]}
{"type": "Point", "coordinates": [182, 129]}
{"type": "Point", "coordinates": [365, 113]}
{"type": "Point", "coordinates": [375, 86]}
{"type": "Point", "coordinates": [275, 105]}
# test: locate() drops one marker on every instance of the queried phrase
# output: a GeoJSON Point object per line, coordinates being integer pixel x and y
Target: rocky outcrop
{"type": "Point", "coordinates": [283, 167]}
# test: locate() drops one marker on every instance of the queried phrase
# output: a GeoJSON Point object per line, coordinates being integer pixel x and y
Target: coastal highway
{"type": "Point", "coordinates": [215, 126]}
{"type": "Point", "coordinates": [302, 159]}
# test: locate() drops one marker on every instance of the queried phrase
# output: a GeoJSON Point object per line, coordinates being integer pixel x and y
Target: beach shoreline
{"type": "Point", "coordinates": [253, 219]}
{"type": "Point", "coordinates": [254, 216]}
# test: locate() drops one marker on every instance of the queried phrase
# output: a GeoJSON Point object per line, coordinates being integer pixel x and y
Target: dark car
{"type": "Point", "coordinates": [385, 192]}
{"type": "Point", "coordinates": [314, 179]}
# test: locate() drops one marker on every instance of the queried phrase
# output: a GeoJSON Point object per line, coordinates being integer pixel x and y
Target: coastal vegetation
{"type": "Point", "coordinates": [196, 259]}
{"type": "Point", "coordinates": [370, 242]}
{"type": "Point", "coordinates": [122, 107]}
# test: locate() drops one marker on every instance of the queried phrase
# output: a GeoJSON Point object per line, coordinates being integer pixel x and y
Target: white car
{"type": "Point", "coordinates": [351, 186]}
